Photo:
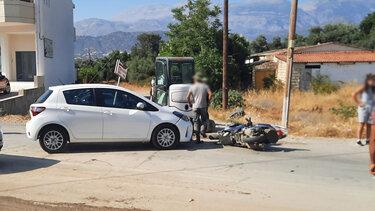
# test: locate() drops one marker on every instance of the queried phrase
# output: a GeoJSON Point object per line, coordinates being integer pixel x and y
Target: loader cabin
{"type": "Point", "coordinates": [170, 71]}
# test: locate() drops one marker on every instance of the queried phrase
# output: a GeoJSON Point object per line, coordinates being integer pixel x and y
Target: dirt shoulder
{"type": "Point", "coordinates": [10, 203]}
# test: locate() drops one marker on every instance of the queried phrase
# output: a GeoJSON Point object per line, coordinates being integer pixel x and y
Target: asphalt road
{"type": "Point", "coordinates": [298, 174]}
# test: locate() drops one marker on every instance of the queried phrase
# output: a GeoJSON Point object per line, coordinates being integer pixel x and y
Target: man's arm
{"type": "Point", "coordinates": [209, 96]}
{"type": "Point", "coordinates": [188, 97]}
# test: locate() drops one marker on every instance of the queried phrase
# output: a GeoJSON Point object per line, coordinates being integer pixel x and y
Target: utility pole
{"type": "Point", "coordinates": [225, 55]}
{"type": "Point", "coordinates": [289, 71]}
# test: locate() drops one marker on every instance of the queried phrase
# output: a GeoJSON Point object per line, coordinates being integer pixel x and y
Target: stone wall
{"type": "Point", "coordinates": [19, 105]}
{"type": "Point", "coordinates": [296, 76]}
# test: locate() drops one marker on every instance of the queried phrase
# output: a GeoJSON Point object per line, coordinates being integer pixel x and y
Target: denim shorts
{"type": "Point", "coordinates": [364, 113]}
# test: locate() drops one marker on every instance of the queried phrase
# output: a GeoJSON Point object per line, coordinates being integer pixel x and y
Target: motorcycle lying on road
{"type": "Point", "coordinates": [255, 137]}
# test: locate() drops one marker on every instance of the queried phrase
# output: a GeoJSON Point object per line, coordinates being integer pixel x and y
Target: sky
{"type": "Point", "coordinates": [106, 9]}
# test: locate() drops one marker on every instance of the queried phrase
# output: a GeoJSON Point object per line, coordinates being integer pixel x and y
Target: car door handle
{"type": "Point", "coordinates": [65, 108]}
{"type": "Point", "coordinates": [108, 113]}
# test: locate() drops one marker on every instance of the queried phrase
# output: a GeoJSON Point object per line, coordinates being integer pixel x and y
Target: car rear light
{"type": "Point", "coordinates": [36, 110]}
{"type": "Point", "coordinates": [280, 133]}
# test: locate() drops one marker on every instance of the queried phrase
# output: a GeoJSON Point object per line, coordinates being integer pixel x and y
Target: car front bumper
{"type": "Point", "coordinates": [186, 130]}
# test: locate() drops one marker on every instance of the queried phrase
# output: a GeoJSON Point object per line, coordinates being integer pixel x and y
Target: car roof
{"type": "Point", "coordinates": [77, 86]}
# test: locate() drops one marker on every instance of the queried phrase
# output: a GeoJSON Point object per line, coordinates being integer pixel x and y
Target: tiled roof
{"type": "Point", "coordinates": [301, 49]}
{"type": "Point", "coordinates": [331, 57]}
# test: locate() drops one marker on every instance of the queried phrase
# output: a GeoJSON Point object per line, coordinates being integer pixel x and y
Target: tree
{"type": "Point", "coordinates": [368, 24]}
{"type": "Point", "coordinates": [143, 55]}
{"type": "Point", "coordinates": [196, 34]}
{"type": "Point", "coordinates": [276, 43]}
{"type": "Point", "coordinates": [367, 29]}
{"type": "Point", "coordinates": [98, 70]}
{"type": "Point", "coordinates": [260, 44]}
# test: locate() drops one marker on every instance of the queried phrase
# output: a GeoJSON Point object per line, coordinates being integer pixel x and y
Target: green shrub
{"type": "Point", "coordinates": [321, 84]}
{"type": "Point", "coordinates": [87, 74]}
{"type": "Point", "coordinates": [344, 110]}
{"type": "Point", "coordinates": [235, 99]}
{"type": "Point", "coordinates": [271, 82]}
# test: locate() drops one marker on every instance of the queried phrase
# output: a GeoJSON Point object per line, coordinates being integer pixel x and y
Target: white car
{"type": "Point", "coordinates": [1, 139]}
{"type": "Point", "coordinates": [103, 113]}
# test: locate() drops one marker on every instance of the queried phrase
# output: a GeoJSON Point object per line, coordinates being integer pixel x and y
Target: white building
{"type": "Point", "coordinates": [37, 42]}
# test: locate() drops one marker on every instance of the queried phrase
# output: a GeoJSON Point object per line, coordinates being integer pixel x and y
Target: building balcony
{"type": "Point", "coordinates": [17, 12]}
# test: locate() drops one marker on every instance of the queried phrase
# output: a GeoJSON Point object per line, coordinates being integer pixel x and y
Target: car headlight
{"type": "Point", "coordinates": [181, 116]}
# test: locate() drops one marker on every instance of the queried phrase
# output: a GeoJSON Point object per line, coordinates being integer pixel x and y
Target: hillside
{"type": "Point", "coordinates": [102, 45]}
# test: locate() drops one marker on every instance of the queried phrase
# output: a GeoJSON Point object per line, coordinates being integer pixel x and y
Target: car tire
{"type": "Point", "coordinates": [7, 89]}
{"type": "Point", "coordinates": [165, 137]}
{"type": "Point", "coordinates": [53, 139]}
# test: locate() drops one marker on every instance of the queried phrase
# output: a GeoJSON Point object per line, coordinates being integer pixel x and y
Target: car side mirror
{"type": "Point", "coordinates": [141, 106]}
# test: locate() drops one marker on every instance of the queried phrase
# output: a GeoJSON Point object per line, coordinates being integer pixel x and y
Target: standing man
{"type": "Point", "coordinates": [202, 95]}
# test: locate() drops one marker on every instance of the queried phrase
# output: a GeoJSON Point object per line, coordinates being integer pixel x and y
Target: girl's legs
{"type": "Point", "coordinates": [368, 133]}
{"type": "Point", "coordinates": [372, 150]}
{"type": "Point", "coordinates": [359, 132]}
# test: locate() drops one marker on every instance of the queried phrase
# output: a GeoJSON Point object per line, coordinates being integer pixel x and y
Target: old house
{"type": "Point", "coordinates": [341, 63]}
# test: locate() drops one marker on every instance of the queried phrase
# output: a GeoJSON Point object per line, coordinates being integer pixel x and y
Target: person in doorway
{"type": "Point", "coordinates": [202, 95]}
{"type": "Point", "coordinates": [364, 97]}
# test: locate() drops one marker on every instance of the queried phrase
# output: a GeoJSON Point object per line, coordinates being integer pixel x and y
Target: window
{"type": "Point", "coordinates": [182, 73]}
{"type": "Point", "coordinates": [80, 97]}
{"type": "Point", "coordinates": [160, 73]}
{"type": "Point", "coordinates": [44, 97]}
{"type": "Point", "coordinates": [112, 98]}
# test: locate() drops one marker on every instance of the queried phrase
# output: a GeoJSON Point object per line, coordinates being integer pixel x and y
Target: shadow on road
{"type": "Point", "coordinates": [10, 164]}
{"type": "Point", "coordinates": [278, 148]}
{"type": "Point", "coordinates": [122, 147]}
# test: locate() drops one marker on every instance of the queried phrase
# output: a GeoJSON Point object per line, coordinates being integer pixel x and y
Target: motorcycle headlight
{"type": "Point", "coordinates": [181, 116]}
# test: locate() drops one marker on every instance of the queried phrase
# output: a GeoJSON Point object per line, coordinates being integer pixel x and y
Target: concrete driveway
{"type": "Point", "coordinates": [298, 174]}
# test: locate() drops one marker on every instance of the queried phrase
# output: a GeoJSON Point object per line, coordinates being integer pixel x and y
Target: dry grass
{"type": "Point", "coordinates": [14, 118]}
{"type": "Point", "coordinates": [310, 114]}
{"type": "Point", "coordinates": [144, 90]}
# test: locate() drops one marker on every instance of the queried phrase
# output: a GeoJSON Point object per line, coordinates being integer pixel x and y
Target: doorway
{"type": "Point", "coordinates": [25, 65]}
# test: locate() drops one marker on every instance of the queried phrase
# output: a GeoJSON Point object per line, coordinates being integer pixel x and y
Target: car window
{"type": "Point", "coordinates": [80, 97]}
{"type": "Point", "coordinates": [119, 99]}
{"type": "Point", "coordinates": [44, 97]}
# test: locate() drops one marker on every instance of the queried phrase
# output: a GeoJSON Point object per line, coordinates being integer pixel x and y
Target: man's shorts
{"type": "Point", "coordinates": [371, 120]}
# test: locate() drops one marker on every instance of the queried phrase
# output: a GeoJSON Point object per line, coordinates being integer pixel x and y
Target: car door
{"type": "Point", "coordinates": [122, 121]}
{"type": "Point", "coordinates": [80, 113]}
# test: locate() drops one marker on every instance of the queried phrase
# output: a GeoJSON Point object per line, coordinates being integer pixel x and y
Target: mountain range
{"type": "Point", "coordinates": [249, 18]}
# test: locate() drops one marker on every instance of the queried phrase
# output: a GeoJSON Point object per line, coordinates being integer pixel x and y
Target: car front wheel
{"type": "Point", "coordinates": [165, 137]}
{"type": "Point", "coordinates": [53, 139]}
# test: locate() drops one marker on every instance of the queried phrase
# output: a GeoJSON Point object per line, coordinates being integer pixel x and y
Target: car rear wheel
{"type": "Point", "coordinates": [7, 89]}
{"type": "Point", "coordinates": [165, 137]}
{"type": "Point", "coordinates": [53, 139]}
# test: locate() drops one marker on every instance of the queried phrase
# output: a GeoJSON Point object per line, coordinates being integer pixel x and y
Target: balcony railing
{"type": "Point", "coordinates": [17, 11]}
